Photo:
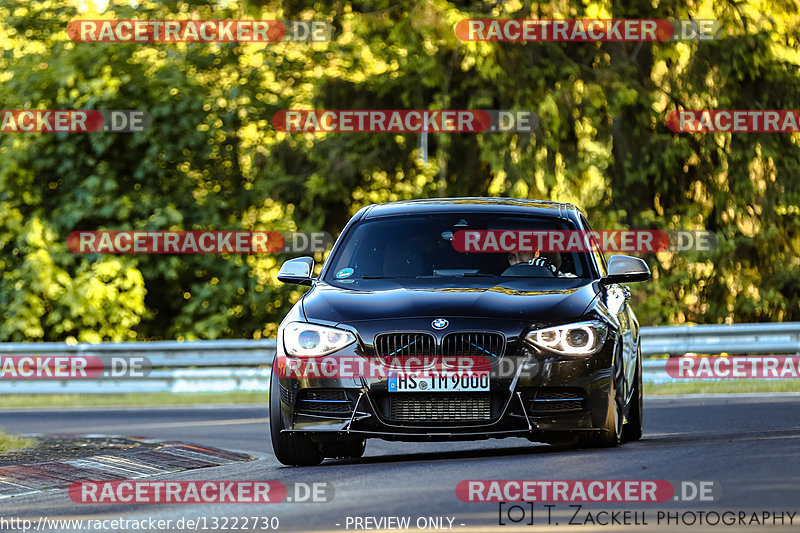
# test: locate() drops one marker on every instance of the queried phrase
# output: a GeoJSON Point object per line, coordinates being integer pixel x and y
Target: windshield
{"type": "Point", "coordinates": [421, 247]}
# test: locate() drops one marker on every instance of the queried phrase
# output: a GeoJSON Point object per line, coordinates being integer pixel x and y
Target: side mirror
{"type": "Point", "coordinates": [297, 271]}
{"type": "Point", "coordinates": [626, 269]}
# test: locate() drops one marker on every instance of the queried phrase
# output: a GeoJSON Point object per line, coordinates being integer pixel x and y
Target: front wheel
{"type": "Point", "coordinates": [611, 434]}
{"type": "Point", "coordinates": [633, 429]}
{"type": "Point", "coordinates": [291, 449]}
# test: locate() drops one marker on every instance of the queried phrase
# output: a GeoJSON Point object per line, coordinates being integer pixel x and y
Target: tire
{"type": "Point", "coordinates": [291, 449]}
{"type": "Point", "coordinates": [611, 434]}
{"type": "Point", "coordinates": [633, 429]}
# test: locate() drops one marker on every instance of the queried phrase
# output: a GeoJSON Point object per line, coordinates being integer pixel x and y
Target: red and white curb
{"type": "Point", "coordinates": [169, 456]}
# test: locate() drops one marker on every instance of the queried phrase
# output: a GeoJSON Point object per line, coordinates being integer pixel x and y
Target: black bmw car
{"type": "Point", "coordinates": [374, 348]}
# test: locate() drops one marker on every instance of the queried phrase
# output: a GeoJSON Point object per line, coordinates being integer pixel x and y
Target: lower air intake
{"type": "Point", "coordinates": [440, 407]}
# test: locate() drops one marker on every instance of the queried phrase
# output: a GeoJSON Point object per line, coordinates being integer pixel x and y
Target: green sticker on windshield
{"type": "Point", "coordinates": [344, 273]}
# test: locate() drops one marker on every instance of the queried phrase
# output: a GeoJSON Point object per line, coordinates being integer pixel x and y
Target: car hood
{"type": "Point", "coordinates": [330, 304]}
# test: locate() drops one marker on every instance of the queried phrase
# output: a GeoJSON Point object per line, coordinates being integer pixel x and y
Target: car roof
{"type": "Point", "coordinates": [470, 205]}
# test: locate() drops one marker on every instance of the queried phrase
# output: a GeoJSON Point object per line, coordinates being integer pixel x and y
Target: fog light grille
{"type": "Point", "coordinates": [287, 396]}
{"type": "Point", "coordinates": [321, 402]}
{"type": "Point", "coordinates": [557, 400]}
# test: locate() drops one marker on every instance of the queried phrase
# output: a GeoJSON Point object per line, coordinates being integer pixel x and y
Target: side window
{"type": "Point", "coordinates": [600, 259]}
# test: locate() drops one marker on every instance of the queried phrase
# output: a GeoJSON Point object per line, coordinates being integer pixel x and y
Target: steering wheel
{"type": "Point", "coordinates": [538, 265]}
{"type": "Point", "coordinates": [544, 263]}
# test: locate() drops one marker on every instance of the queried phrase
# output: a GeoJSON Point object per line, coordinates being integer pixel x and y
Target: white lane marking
{"type": "Point", "coordinates": [176, 407]}
{"type": "Point", "coordinates": [727, 395]}
{"type": "Point", "coordinates": [198, 423]}
{"type": "Point", "coordinates": [159, 425]}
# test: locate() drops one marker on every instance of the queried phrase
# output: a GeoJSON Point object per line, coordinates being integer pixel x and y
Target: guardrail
{"type": "Point", "coordinates": [739, 339]}
{"type": "Point", "coordinates": [747, 339]}
{"type": "Point", "coordinates": [190, 366]}
{"type": "Point", "coordinates": [216, 366]}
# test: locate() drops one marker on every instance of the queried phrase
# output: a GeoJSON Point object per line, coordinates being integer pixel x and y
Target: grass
{"type": "Point", "coordinates": [12, 442]}
{"type": "Point", "coordinates": [12, 401]}
{"type": "Point", "coordinates": [698, 386]}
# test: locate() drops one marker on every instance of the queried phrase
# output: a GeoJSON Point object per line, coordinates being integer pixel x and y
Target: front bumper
{"type": "Point", "coordinates": [547, 394]}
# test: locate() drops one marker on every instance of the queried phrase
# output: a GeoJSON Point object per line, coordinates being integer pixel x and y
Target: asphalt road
{"type": "Point", "coordinates": [749, 445]}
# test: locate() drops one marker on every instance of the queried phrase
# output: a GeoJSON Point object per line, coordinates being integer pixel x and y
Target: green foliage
{"type": "Point", "coordinates": [211, 159]}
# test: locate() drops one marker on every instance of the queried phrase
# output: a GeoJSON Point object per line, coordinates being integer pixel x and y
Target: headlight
{"type": "Point", "coordinates": [581, 338]}
{"type": "Point", "coordinates": [309, 340]}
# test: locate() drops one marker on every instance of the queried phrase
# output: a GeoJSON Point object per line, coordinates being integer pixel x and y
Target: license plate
{"type": "Point", "coordinates": [438, 382]}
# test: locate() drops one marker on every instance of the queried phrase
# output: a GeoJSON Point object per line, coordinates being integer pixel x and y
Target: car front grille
{"type": "Point", "coordinates": [556, 400]}
{"type": "Point", "coordinates": [402, 345]}
{"type": "Point", "coordinates": [436, 407]}
{"type": "Point", "coordinates": [469, 344]}
{"type": "Point", "coordinates": [323, 402]}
